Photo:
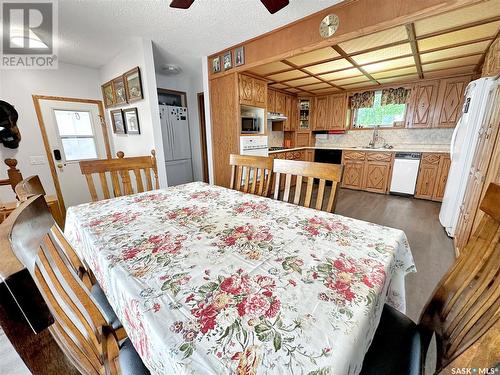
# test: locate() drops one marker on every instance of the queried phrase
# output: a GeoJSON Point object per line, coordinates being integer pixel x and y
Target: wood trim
{"type": "Point", "coordinates": [301, 36]}
{"type": "Point", "coordinates": [203, 135]}
{"type": "Point", "coordinates": [410, 31]}
{"type": "Point", "coordinates": [342, 53]}
{"type": "Point", "coordinates": [170, 91]}
{"type": "Point", "coordinates": [312, 75]}
{"type": "Point", "coordinates": [46, 144]}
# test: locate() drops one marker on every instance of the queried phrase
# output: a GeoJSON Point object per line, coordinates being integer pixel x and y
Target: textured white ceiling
{"type": "Point", "coordinates": [93, 31]}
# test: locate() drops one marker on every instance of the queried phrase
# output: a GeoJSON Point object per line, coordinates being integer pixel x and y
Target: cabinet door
{"type": "Point", "coordinates": [280, 102]}
{"type": "Point", "coordinates": [246, 89]}
{"type": "Point", "coordinates": [320, 113]}
{"type": "Point", "coordinates": [338, 112]}
{"type": "Point", "coordinates": [353, 174]}
{"type": "Point", "coordinates": [302, 139]}
{"type": "Point", "coordinates": [259, 93]}
{"type": "Point", "coordinates": [449, 102]}
{"type": "Point", "coordinates": [427, 176]}
{"type": "Point", "coordinates": [294, 114]}
{"type": "Point", "coordinates": [271, 100]}
{"type": "Point", "coordinates": [376, 176]}
{"type": "Point", "coordinates": [288, 113]}
{"type": "Point", "coordinates": [423, 104]}
{"type": "Point", "coordinates": [443, 169]}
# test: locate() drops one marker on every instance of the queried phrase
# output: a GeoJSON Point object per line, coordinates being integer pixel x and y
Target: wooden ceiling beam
{"type": "Point", "coordinates": [310, 74]}
{"type": "Point", "coordinates": [479, 65]}
{"type": "Point", "coordinates": [410, 31]}
{"type": "Point", "coordinates": [342, 53]}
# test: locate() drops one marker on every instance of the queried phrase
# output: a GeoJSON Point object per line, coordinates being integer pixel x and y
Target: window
{"type": "Point", "coordinates": [76, 133]}
{"type": "Point", "coordinates": [382, 115]}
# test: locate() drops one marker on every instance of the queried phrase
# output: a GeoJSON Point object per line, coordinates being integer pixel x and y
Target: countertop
{"type": "Point", "coordinates": [403, 148]}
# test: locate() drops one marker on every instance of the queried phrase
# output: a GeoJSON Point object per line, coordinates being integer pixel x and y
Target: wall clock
{"type": "Point", "coordinates": [329, 25]}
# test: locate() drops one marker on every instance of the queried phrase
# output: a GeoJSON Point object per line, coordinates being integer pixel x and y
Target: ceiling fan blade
{"type": "Point", "coordinates": [181, 4]}
{"type": "Point", "coordinates": [274, 5]}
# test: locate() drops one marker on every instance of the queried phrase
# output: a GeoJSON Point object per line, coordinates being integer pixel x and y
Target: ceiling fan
{"type": "Point", "coordinates": [272, 5]}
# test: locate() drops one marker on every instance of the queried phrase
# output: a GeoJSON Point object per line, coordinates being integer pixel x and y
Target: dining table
{"type": "Point", "coordinates": [208, 280]}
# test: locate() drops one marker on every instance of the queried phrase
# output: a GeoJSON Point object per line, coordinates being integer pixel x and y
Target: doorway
{"type": "Point", "coordinates": [72, 130]}
{"type": "Point", "coordinates": [203, 136]}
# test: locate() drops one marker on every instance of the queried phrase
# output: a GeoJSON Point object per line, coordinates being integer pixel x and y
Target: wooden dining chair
{"type": "Point", "coordinates": [80, 327]}
{"type": "Point", "coordinates": [251, 174]}
{"type": "Point", "coordinates": [463, 314]}
{"type": "Point", "coordinates": [13, 174]}
{"type": "Point", "coordinates": [118, 171]}
{"type": "Point", "coordinates": [29, 187]}
{"type": "Point", "coordinates": [300, 172]}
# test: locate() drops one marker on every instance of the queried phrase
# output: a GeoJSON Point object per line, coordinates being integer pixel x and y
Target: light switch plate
{"type": "Point", "coordinates": [37, 160]}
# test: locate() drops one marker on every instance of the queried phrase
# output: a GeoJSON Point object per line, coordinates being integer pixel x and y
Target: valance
{"type": "Point", "coordinates": [395, 96]}
{"type": "Point", "coordinates": [362, 100]}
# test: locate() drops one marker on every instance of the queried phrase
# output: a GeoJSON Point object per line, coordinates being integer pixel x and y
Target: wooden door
{"type": "Point", "coordinates": [423, 104]}
{"type": "Point", "coordinates": [320, 113]}
{"type": "Point", "coordinates": [259, 93]}
{"type": "Point", "coordinates": [246, 89]}
{"type": "Point", "coordinates": [280, 102]}
{"type": "Point", "coordinates": [271, 100]}
{"type": "Point", "coordinates": [443, 169]}
{"type": "Point", "coordinates": [449, 101]}
{"type": "Point", "coordinates": [427, 176]}
{"type": "Point", "coordinates": [338, 112]}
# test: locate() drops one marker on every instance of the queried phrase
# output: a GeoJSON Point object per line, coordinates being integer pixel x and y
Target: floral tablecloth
{"type": "Point", "coordinates": [208, 280]}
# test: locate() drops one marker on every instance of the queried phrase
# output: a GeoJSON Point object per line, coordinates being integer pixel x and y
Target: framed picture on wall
{"type": "Point", "coordinates": [133, 85]}
{"type": "Point", "coordinates": [239, 56]}
{"type": "Point", "coordinates": [117, 121]}
{"type": "Point", "coordinates": [108, 94]}
{"type": "Point", "coordinates": [119, 90]}
{"type": "Point", "coordinates": [131, 119]}
{"type": "Point", "coordinates": [216, 64]}
{"type": "Point", "coordinates": [228, 60]}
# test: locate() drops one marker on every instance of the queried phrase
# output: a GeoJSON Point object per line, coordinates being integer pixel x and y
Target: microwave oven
{"type": "Point", "coordinates": [250, 125]}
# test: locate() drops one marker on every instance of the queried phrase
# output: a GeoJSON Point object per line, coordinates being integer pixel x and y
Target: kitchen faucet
{"type": "Point", "coordinates": [374, 137]}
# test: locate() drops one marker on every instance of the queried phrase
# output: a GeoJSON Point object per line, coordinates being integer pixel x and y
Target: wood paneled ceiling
{"type": "Point", "coordinates": [451, 43]}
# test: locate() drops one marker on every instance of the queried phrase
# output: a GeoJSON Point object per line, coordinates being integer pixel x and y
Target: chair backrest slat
{"type": "Point", "coordinates": [251, 174]}
{"type": "Point", "coordinates": [465, 305]}
{"type": "Point", "coordinates": [119, 172]}
{"type": "Point", "coordinates": [307, 172]}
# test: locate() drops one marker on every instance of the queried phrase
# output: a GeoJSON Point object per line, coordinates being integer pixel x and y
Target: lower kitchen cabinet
{"type": "Point", "coordinates": [432, 176]}
{"type": "Point", "coordinates": [353, 174]}
{"type": "Point", "coordinates": [368, 171]}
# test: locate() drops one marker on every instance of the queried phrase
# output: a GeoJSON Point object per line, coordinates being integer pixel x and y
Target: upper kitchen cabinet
{"type": "Point", "coordinates": [338, 108]}
{"type": "Point", "coordinates": [423, 103]}
{"type": "Point", "coordinates": [320, 113]}
{"type": "Point", "coordinates": [449, 101]}
{"type": "Point", "coordinates": [280, 105]}
{"type": "Point", "coordinates": [271, 100]}
{"type": "Point", "coordinates": [329, 112]}
{"type": "Point", "coordinates": [253, 91]}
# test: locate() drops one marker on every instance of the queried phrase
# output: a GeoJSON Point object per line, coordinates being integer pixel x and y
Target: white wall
{"type": "Point", "coordinates": [139, 52]}
{"type": "Point", "coordinates": [17, 87]}
{"type": "Point", "coordinates": [191, 85]}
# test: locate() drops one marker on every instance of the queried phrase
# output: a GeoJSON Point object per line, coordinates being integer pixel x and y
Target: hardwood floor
{"type": "Point", "coordinates": [10, 362]}
{"type": "Point", "coordinates": [432, 249]}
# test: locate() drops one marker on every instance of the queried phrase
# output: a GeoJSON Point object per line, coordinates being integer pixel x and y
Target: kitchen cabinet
{"type": "Point", "coordinates": [423, 102]}
{"type": "Point", "coordinates": [294, 114]}
{"type": "Point", "coordinates": [354, 169]}
{"type": "Point", "coordinates": [338, 108]}
{"type": "Point", "coordinates": [271, 100]}
{"type": "Point", "coordinates": [432, 176]}
{"type": "Point", "coordinates": [369, 171]}
{"type": "Point", "coordinates": [288, 113]}
{"type": "Point", "coordinates": [280, 102]}
{"type": "Point", "coordinates": [302, 139]}
{"type": "Point", "coordinates": [449, 101]}
{"type": "Point", "coordinates": [377, 171]}
{"type": "Point", "coordinates": [252, 91]}
{"type": "Point", "coordinates": [320, 113]}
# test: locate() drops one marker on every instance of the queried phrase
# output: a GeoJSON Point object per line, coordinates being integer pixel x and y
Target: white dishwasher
{"type": "Point", "coordinates": [404, 173]}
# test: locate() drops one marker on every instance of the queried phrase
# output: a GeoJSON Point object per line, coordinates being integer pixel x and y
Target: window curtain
{"type": "Point", "coordinates": [395, 96]}
{"type": "Point", "coordinates": [362, 100]}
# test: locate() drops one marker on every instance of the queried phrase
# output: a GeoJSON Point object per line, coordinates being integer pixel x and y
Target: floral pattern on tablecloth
{"type": "Point", "coordinates": [208, 280]}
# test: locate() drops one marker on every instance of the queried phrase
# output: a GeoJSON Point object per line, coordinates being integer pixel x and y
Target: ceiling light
{"type": "Point", "coordinates": [171, 69]}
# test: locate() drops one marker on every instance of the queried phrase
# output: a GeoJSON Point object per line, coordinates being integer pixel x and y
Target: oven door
{"type": "Point", "coordinates": [249, 125]}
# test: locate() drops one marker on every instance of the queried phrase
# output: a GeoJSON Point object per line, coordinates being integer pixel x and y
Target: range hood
{"type": "Point", "coordinates": [275, 117]}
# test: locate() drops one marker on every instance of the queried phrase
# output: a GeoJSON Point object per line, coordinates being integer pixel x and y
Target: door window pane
{"type": "Point", "coordinates": [79, 148]}
{"type": "Point", "coordinates": [73, 123]}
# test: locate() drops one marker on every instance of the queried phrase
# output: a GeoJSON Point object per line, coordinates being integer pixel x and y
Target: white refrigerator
{"type": "Point", "coordinates": [176, 144]}
{"type": "Point", "coordinates": [477, 103]}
